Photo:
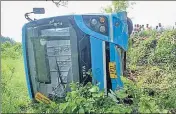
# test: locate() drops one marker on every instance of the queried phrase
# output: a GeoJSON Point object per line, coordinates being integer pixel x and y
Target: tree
{"type": "Point", "coordinates": [60, 2]}
{"type": "Point", "coordinates": [6, 39]}
{"type": "Point", "coordinates": [120, 5]}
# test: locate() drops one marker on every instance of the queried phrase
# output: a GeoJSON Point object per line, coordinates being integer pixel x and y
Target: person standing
{"type": "Point", "coordinates": [160, 28]}
{"type": "Point", "coordinates": [147, 27]}
{"type": "Point", "coordinates": [138, 27]}
{"type": "Point", "coordinates": [156, 28]}
{"type": "Point", "coordinates": [142, 28]}
{"type": "Point", "coordinates": [135, 29]}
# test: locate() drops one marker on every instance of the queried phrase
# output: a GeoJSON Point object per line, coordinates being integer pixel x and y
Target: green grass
{"type": "Point", "coordinates": [15, 95]}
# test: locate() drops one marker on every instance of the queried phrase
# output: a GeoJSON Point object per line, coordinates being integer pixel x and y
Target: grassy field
{"type": "Point", "coordinates": [15, 95]}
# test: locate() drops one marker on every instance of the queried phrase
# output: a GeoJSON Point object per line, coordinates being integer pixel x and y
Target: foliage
{"type": "Point", "coordinates": [13, 86]}
{"type": "Point", "coordinates": [151, 61]}
{"type": "Point", "coordinates": [118, 6]}
{"type": "Point", "coordinates": [88, 99]}
{"type": "Point", "coordinates": [153, 49]}
{"type": "Point", "coordinates": [85, 99]}
{"type": "Point", "coordinates": [154, 65]}
{"type": "Point", "coordinates": [10, 50]}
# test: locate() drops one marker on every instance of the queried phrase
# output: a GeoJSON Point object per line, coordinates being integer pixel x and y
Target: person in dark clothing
{"type": "Point", "coordinates": [157, 28]}
{"type": "Point", "coordinates": [147, 26]}
{"type": "Point", "coordinates": [135, 29]}
{"type": "Point", "coordinates": [159, 24]}
{"type": "Point", "coordinates": [138, 27]}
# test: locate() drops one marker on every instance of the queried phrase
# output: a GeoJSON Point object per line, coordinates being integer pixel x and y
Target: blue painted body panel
{"type": "Point", "coordinates": [114, 57]}
{"type": "Point", "coordinates": [25, 60]}
{"type": "Point", "coordinates": [80, 23]}
{"type": "Point", "coordinates": [120, 33]}
{"type": "Point", "coordinates": [97, 61]}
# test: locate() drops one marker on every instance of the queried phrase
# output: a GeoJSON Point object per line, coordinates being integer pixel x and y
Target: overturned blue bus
{"type": "Point", "coordinates": [62, 49]}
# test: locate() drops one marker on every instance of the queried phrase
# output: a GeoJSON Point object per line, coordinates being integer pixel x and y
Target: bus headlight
{"type": "Point", "coordinates": [94, 21]}
{"type": "Point", "coordinates": [102, 20]}
{"type": "Point", "coordinates": [102, 29]}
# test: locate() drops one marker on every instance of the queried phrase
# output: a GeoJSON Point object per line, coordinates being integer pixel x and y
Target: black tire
{"type": "Point", "coordinates": [124, 64]}
{"type": "Point", "coordinates": [123, 56]}
{"type": "Point", "coordinates": [130, 26]}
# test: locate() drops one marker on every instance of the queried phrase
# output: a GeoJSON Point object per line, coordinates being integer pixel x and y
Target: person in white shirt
{"type": "Point", "coordinates": [147, 27]}
{"type": "Point", "coordinates": [142, 28]}
{"type": "Point", "coordinates": [160, 28]}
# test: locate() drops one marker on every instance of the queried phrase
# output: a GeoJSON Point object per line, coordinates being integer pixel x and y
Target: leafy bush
{"type": "Point", "coordinates": [153, 59]}
{"type": "Point", "coordinates": [88, 99]}
{"type": "Point", "coordinates": [10, 50]}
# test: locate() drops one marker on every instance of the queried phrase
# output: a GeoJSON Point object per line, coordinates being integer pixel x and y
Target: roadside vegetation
{"type": "Point", "coordinates": [149, 84]}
